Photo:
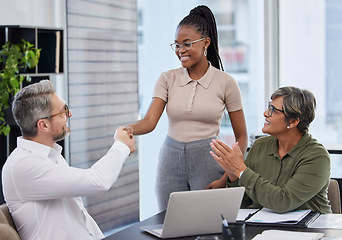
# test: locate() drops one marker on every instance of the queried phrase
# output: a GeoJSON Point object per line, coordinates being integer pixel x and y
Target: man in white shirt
{"type": "Point", "coordinates": [41, 190]}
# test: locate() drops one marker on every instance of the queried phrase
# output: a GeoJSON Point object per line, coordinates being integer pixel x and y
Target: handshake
{"type": "Point", "coordinates": [123, 134]}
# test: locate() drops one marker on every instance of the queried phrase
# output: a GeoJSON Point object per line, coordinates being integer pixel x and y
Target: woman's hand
{"type": "Point", "coordinates": [129, 130]}
{"type": "Point", "coordinates": [220, 183]}
{"type": "Point", "coordinates": [123, 136]}
{"type": "Point", "coordinates": [230, 159]}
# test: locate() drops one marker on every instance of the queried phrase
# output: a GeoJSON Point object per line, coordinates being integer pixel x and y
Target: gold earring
{"type": "Point", "coordinates": [205, 52]}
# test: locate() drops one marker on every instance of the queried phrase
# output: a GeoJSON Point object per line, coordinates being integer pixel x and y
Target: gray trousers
{"type": "Point", "coordinates": [184, 166]}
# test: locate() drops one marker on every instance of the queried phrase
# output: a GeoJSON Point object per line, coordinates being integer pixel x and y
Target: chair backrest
{"type": "Point", "coordinates": [4, 209]}
{"type": "Point", "coordinates": [8, 230]}
{"type": "Point", "coordinates": [8, 233]}
{"type": "Point", "coordinates": [334, 196]}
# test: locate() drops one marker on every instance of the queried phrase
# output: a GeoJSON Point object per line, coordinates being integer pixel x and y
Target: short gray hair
{"type": "Point", "coordinates": [297, 104]}
{"type": "Point", "coordinates": [32, 103]}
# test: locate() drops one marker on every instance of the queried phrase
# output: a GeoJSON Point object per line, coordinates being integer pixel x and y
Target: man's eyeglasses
{"type": "Point", "coordinates": [272, 108]}
{"type": "Point", "coordinates": [187, 45]}
{"type": "Point", "coordinates": [66, 111]}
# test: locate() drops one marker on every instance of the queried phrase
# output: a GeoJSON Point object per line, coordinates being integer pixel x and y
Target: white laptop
{"type": "Point", "coordinates": [198, 212]}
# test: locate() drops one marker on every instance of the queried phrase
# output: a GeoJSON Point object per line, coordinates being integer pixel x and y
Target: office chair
{"type": "Point", "coordinates": [8, 230]}
{"type": "Point", "coordinates": [334, 196]}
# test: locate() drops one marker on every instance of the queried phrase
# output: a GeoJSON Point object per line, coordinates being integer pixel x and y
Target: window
{"type": "Point", "coordinates": [241, 49]}
{"type": "Point", "coordinates": [310, 43]}
{"type": "Point", "coordinates": [263, 45]}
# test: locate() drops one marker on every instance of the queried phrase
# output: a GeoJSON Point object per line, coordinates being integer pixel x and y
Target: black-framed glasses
{"type": "Point", "coordinates": [187, 45]}
{"type": "Point", "coordinates": [272, 108]}
{"type": "Point", "coordinates": [66, 111]}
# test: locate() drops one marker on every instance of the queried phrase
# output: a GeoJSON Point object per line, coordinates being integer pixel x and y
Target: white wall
{"type": "Point", "coordinates": [43, 13]}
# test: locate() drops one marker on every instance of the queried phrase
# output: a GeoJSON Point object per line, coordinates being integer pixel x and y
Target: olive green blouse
{"type": "Point", "coordinates": [297, 181]}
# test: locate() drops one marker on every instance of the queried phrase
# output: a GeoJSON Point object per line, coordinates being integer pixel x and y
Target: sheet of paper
{"type": "Point", "coordinates": [332, 221]}
{"type": "Point", "coordinates": [266, 215]}
{"type": "Point", "coordinates": [286, 235]}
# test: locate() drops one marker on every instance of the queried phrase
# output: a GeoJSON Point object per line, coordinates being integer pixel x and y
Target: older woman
{"type": "Point", "coordinates": [287, 170]}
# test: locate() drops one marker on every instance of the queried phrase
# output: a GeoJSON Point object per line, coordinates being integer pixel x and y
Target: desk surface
{"type": "Point", "coordinates": [134, 231]}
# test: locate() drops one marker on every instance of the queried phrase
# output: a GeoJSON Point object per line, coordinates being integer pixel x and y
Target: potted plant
{"type": "Point", "coordinates": [14, 60]}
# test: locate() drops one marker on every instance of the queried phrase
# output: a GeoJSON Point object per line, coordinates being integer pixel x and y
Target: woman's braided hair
{"type": "Point", "coordinates": [202, 18]}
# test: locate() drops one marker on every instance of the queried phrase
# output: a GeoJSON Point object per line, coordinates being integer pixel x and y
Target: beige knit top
{"type": "Point", "coordinates": [195, 107]}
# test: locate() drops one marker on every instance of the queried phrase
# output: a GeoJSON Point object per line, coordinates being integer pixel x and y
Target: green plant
{"type": "Point", "coordinates": [14, 58]}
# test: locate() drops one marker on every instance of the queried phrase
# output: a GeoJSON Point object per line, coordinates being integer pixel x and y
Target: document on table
{"type": "Point", "coordinates": [331, 221]}
{"type": "Point", "coordinates": [266, 215]}
{"type": "Point", "coordinates": [286, 235]}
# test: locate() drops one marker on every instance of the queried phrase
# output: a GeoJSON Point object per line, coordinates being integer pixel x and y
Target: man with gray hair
{"type": "Point", "coordinates": [41, 190]}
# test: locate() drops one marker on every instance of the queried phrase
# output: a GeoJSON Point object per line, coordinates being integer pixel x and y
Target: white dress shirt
{"type": "Point", "coordinates": [43, 192]}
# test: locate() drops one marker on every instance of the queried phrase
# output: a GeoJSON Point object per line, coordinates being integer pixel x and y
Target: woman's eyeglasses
{"type": "Point", "coordinates": [186, 45]}
{"type": "Point", "coordinates": [272, 108]}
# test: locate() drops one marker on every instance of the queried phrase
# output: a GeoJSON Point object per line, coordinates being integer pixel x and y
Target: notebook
{"type": "Point", "coordinates": [198, 212]}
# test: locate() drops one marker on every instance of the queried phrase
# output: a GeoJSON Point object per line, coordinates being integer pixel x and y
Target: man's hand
{"type": "Point", "coordinates": [123, 136]}
{"type": "Point", "coordinates": [129, 130]}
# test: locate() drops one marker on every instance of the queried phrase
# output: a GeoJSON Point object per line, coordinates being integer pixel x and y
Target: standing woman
{"type": "Point", "coordinates": [195, 96]}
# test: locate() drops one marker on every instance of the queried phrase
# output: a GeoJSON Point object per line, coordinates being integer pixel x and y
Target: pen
{"type": "Point", "coordinates": [251, 214]}
{"type": "Point", "coordinates": [224, 221]}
